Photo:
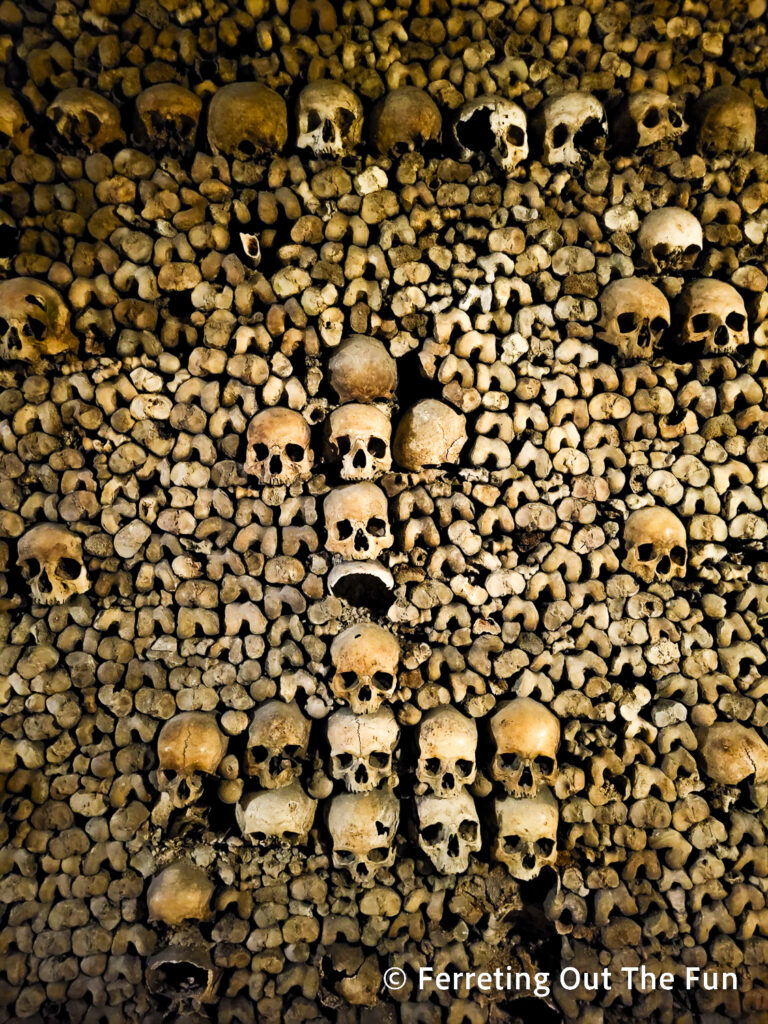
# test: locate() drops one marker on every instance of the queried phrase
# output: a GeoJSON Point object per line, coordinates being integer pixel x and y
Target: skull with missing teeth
{"type": "Point", "coordinates": [359, 437]}
{"type": "Point", "coordinates": [526, 735]}
{"type": "Point", "coordinates": [86, 117]}
{"type": "Point", "coordinates": [726, 122]}
{"type": "Point", "coordinates": [650, 118]}
{"type": "Point", "coordinates": [714, 317]}
{"type": "Point", "coordinates": [277, 744]}
{"type": "Point", "coordinates": [362, 828]}
{"type": "Point", "coordinates": [357, 521]}
{"type": "Point", "coordinates": [671, 240]}
{"type": "Point", "coordinates": [189, 746]}
{"type": "Point", "coordinates": [447, 751]}
{"type": "Point", "coordinates": [526, 834]}
{"type": "Point", "coordinates": [34, 322]}
{"type": "Point", "coordinates": [403, 121]}
{"type": "Point", "coordinates": [278, 447]}
{"type": "Point", "coordinates": [168, 115]}
{"type": "Point", "coordinates": [51, 560]}
{"type": "Point", "coordinates": [572, 126]}
{"type": "Point", "coordinates": [330, 119]}
{"type": "Point", "coordinates": [634, 314]}
{"type": "Point", "coordinates": [365, 659]}
{"type": "Point", "coordinates": [449, 831]}
{"type": "Point", "coordinates": [492, 125]}
{"type": "Point", "coordinates": [362, 748]}
{"type": "Point", "coordinates": [656, 545]}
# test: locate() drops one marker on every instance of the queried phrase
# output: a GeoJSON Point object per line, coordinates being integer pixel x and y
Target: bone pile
{"type": "Point", "coordinates": [383, 489]}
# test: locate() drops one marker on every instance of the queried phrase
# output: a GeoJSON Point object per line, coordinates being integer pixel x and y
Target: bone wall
{"type": "Point", "coordinates": [383, 476]}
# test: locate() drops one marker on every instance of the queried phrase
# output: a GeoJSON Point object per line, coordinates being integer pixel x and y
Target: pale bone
{"type": "Point", "coordinates": [527, 736]}
{"type": "Point", "coordinates": [361, 370]}
{"type": "Point", "coordinates": [180, 892]}
{"type": "Point", "coordinates": [330, 119]}
{"type": "Point", "coordinates": [189, 746]}
{"type": "Point", "coordinates": [449, 831]}
{"type": "Point", "coordinates": [362, 747]}
{"type": "Point", "coordinates": [169, 115]}
{"type": "Point", "coordinates": [447, 751]}
{"type": "Point", "coordinates": [283, 816]}
{"type": "Point", "coordinates": [362, 828]}
{"type": "Point", "coordinates": [365, 658]}
{"type": "Point", "coordinates": [733, 753]}
{"type": "Point", "coordinates": [357, 521]}
{"type": "Point", "coordinates": [726, 122]}
{"type": "Point", "coordinates": [526, 833]}
{"type": "Point", "coordinates": [247, 120]}
{"type": "Point", "coordinates": [359, 437]}
{"type": "Point", "coordinates": [714, 317]}
{"type": "Point", "coordinates": [430, 434]}
{"type": "Point", "coordinates": [656, 545]}
{"type": "Point", "coordinates": [403, 121]}
{"type": "Point", "coordinates": [51, 560]}
{"type": "Point", "coordinates": [634, 314]}
{"type": "Point", "coordinates": [671, 240]}
{"type": "Point", "coordinates": [278, 447]}
{"type": "Point", "coordinates": [278, 738]}
{"type": "Point", "coordinates": [492, 125]}
{"type": "Point", "coordinates": [34, 322]}
{"type": "Point", "coordinates": [571, 125]}
{"type": "Point", "coordinates": [86, 116]}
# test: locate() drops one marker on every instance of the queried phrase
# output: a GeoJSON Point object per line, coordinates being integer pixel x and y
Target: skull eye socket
{"type": "Point", "coordinates": [345, 856]}
{"type": "Point", "coordinates": [294, 452]}
{"type": "Point", "coordinates": [545, 764]}
{"type": "Point", "coordinates": [516, 136]}
{"type": "Point", "coordinates": [348, 680]}
{"type": "Point", "coordinates": [645, 552]}
{"type": "Point", "coordinates": [628, 322]}
{"type": "Point", "coordinates": [651, 117]}
{"type": "Point", "coordinates": [560, 135]}
{"type": "Point", "coordinates": [68, 569]}
{"type": "Point", "coordinates": [379, 759]}
{"type": "Point", "coordinates": [658, 324]}
{"type": "Point", "coordinates": [343, 529]}
{"type": "Point", "coordinates": [344, 760]}
{"type": "Point", "coordinates": [313, 120]}
{"type": "Point", "coordinates": [377, 447]}
{"type": "Point", "coordinates": [261, 452]}
{"type": "Point", "coordinates": [259, 754]}
{"type": "Point", "coordinates": [30, 569]}
{"type": "Point", "coordinates": [692, 249]}
{"type": "Point", "coordinates": [432, 765]}
{"type": "Point", "coordinates": [383, 680]}
{"type": "Point", "coordinates": [590, 134]}
{"type": "Point", "coordinates": [511, 843]}
{"type": "Point", "coordinates": [735, 321]}
{"type": "Point", "coordinates": [431, 833]}
{"type": "Point", "coordinates": [674, 118]}
{"type": "Point", "coordinates": [677, 555]}
{"type": "Point", "coordinates": [291, 750]}
{"type": "Point", "coordinates": [378, 854]}
{"type": "Point", "coordinates": [468, 830]}
{"type": "Point", "coordinates": [345, 118]}
{"type": "Point", "coordinates": [700, 322]}
{"type": "Point", "coordinates": [463, 767]}
{"type": "Point", "coordinates": [291, 837]}
{"type": "Point", "coordinates": [376, 527]}
{"type": "Point", "coordinates": [545, 846]}
{"type": "Point", "coordinates": [344, 445]}
{"type": "Point", "coordinates": [509, 761]}
{"type": "Point", "coordinates": [474, 132]}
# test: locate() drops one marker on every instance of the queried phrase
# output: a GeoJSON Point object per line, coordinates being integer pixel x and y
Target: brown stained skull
{"type": "Point", "coordinates": [15, 129]}
{"type": "Point", "coordinates": [247, 120]}
{"type": "Point", "coordinates": [526, 735]}
{"type": "Point", "coordinates": [430, 434]}
{"type": "Point", "coordinates": [182, 972]}
{"type": "Point", "coordinates": [168, 115]}
{"type": "Point", "coordinates": [189, 746]}
{"type": "Point", "coordinates": [358, 436]}
{"type": "Point", "coordinates": [449, 831]}
{"type": "Point", "coordinates": [656, 545]}
{"type": "Point", "coordinates": [84, 117]}
{"type": "Point", "coordinates": [671, 240]}
{"type": "Point", "coordinates": [365, 659]}
{"type": "Point", "coordinates": [362, 748]}
{"type": "Point", "coordinates": [714, 317]}
{"type": "Point", "coordinates": [363, 828]}
{"type": "Point", "coordinates": [447, 751]}
{"type": "Point", "coordinates": [651, 118]}
{"type": "Point", "coordinates": [492, 126]}
{"type": "Point", "coordinates": [634, 314]}
{"type": "Point", "coordinates": [403, 121]}
{"type": "Point", "coordinates": [526, 834]}
{"type": "Point", "coordinates": [180, 892]}
{"type": "Point", "coordinates": [357, 521]}
{"type": "Point", "coordinates": [330, 119]}
{"type": "Point", "coordinates": [34, 322]}
{"type": "Point", "coordinates": [726, 122]}
{"type": "Point", "coordinates": [571, 127]}
{"type": "Point", "coordinates": [51, 560]}
{"type": "Point", "coordinates": [278, 739]}
{"type": "Point", "coordinates": [361, 370]}
{"type": "Point", "coordinates": [278, 447]}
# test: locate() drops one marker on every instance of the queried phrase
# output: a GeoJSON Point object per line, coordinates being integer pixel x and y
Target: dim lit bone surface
{"type": "Point", "coordinates": [526, 833]}
{"type": "Point", "coordinates": [14, 123]}
{"type": "Point", "coordinates": [362, 827]}
{"type": "Point", "coordinates": [671, 240]}
{"type": "Point", "coordinates": [169, 115]}
{"type": "Point", "coordinates": [329, 119]}
{"type": "Point", "coordinates": [278, 738]}
{"type": "Point", "coordinates": [526, 735]}
{"type": "Point", "coordinates": [247, 120]}
{"type": "Point", "coordinates": [51, 560]}
{"type": "Point", "coordinates": [282, 816]}
{"type": "Point", "coordinates": [34, 322]}
{"type": "Point", "coordinates": [403, 121]}
{"type": "Point", "coordinates": [189, 746]}
{"type": "Point", "coordinates": [493, 126]}
{"type": "Point", "coordinates": [84, 118]}
{"type": "Point", "coordinates": [656, 544]}
{"type": "Point", "coordinates": [650, 119]}
{"type": "Point", "coordinates": [357, 521]}
{"type": "Point", "coordinates": [180, 892]}
{"type": "Point", "coordinates": [725, 122]}
{"type": "Point", "coordinates": [572, 127]}
{"type": "Point", "coordinates": [447, 751]}
{"type": "Point", "coordinates": [365, 660]}
{"type": "Point", "coordinates": [448, 830]}
{"type": "Point", "coordinates": [362, 747]}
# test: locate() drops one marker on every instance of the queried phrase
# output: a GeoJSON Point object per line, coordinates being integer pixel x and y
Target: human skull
{"type": "Point", "coordinates": [180, 892]}
{"type": "Point", "coordinates": [168, 115]}
{"type": "Point", "coordinates": [278, 738]}
{"type": "Point", "coordinates": [189, 746]}
{"type": "Point", "coordinates": [34, 322]}
{"type": "Point", "coordinates": [283, 816]}
{"type": "Point", "coordinates": [357, 521]}
{"type": "Point", "coordinates": [182, 972]}
{"type": "Point", "coordinates": [430, 433]}
{"type": "Point", "coordinates": [447, 751]}
{"type": "Point", "coordinates": [403, 121]}
{"type": "Point", "coordinates": [571, 126]}
{"type": "Point", "coordinates": [84, 116]}
{"type": "Point", "coordinates": [714, 317]}
{"type": "Point", "coordinates": [15, 129]}
{"type": "Point", "coordinates": [449, 831]}
{"type": "Point", "coordinates": [650, 118]}
{"type": "Point", "coordinates": [365, 659]}
{"type": "Point", "coordinates": [726, 122]}
{"type": "Point", "coordinates": [362, 828]}
{"type": "Point", "coordinates": [732, 753]}
{"type": "Point", "coordinates": [526, 833]}
{"type": "Point", "coordinates": [330, 119]}
{"type": "Point", "coordinates": [278, 447]}
{"type": "Point", "coordinates": [358, 437]}
{"type": "Point", "coordinates": [526, 735]}
{"type": "Point", "coordinates": [51, 560]}
{"type": "Point", "coordinates": [361, 370]}
{"type": "Point", "coordinates": [493, 126]}
{"type": "Point", "coordinates": [671, 240]}
{"type": "Point", "coordinates": [247, 120]}
{"type": "Point", "coordinates": [634, 314]}
{"type": "Point", "coordinates": [362, 747]}
{"type": "Point", "coordinates": [656, 545]}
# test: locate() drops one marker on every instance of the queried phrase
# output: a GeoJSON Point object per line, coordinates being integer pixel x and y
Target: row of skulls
{"type": "Point", "coordinates": [248, 120]}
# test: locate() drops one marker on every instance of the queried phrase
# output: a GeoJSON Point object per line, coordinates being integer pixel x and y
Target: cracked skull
{"type": "Point", "coordinates": [571, 126]}
{"type": "Point", "coordinates": [362, 828]}
{"type": "Point", "coordinates": [84, 116]}
{"type": "Point", "coordinates": [634, 314]}
{"type": "Point", "coordinates": [247, 120]}
{"type": "Point", "coordinates": [34, 322]}
{"type": "Point", "coordinates": [189, 746]}
{"type": "Point", "coordinates": [650, 118]}
{"type": "Point", "coordinates": [449, 831]}
{"type": "Point", "coordinates": [330, 119]}
{"type": "Point", "coordinates": [168, 115]}
{"type": "Point", "coordinates": [671, 240]}
{"type": "Point", "coordinates": [430, 434]}
{"type": "Point", "coordinates": [278, 447]}
{"type": "Point", "coordinates": [526, 735]}
{"type": "Point", "coordinates": [361, 370]}
{"type": "Point", "coordinates": [447, 751]}
{"type": "Point", "coordinates": [15, 129]}
{"type": "Point", "coordinates": [726, 122]}
{"type": "Point", "coordinates": [714, 317]}
{"type": "Point", "coordinates": [357, 521]}
{"type": "Point", "coordinates": [733, 753]}
{"type": "Point", "coordinates": [493, 126]}
{"type": "Point", "coordinates": [283, 816]}
{"type": "Point", "coordinates": [359, 437]}
{"type": "Point", "coordinates": [403, 121]}
{"type": "Point", "coordinates": [277, 744]}
{"type": "Point", "coordinates": [365, 659]}
{"type": "Point", "coordinates": [51, 561]}
{"type": "Point", "coordinates": [362, 747]}
{"type": "Point", "coordinates": [656, 545]}
{"type": "Point", "coordinates": [526, 833]}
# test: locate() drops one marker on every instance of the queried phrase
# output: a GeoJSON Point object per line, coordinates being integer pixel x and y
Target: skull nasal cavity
{"type": "Point", "coordinates": [475, 132]}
